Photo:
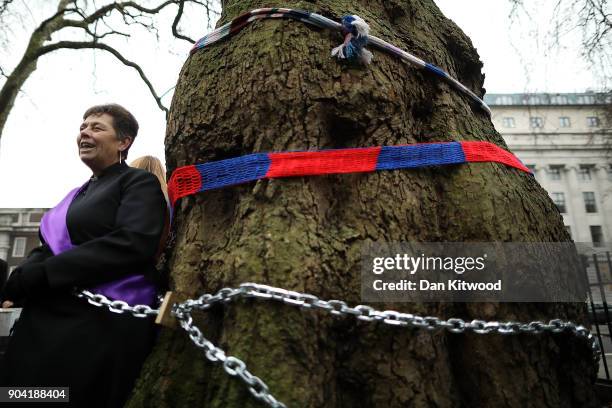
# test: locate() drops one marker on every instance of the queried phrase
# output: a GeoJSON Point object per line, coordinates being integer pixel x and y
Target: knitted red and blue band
{"type": "Point", "coordinates": [192, 179]}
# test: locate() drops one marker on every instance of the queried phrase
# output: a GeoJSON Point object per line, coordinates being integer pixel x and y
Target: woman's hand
{"type": "Point", "coordinates": [25, 281]}
{"type": "Point", "coordinates": [7, 304]}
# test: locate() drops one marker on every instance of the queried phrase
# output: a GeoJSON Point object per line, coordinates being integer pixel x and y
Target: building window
{"type": "Point", "coordinates": [531, 167]}
{"type": "Point", "coordinates": [508, 122]}
{"type": "Point", "coordinates": [19, 247]}
{"type": "Point", "coordinates": [536, 122]}
{"type": "Point", "coordinates": [559, 200]}
{"type": "Point", "coordinates": [36, 217]}
{"type": "Point", "coordinates": [592, 121]}
{"type": "Point", "coordinates": [585, 99]}
{"type": "Point", "coordinates": [532, 100]}
{"type": "Point", "coordinates": [585, 172]}
{"type": "Point", "coordinates": [610, 172]}
{"type": "Point", "coordinates": [564, 122]}
{"type": "Point", "coordinates": [569, 230]}
{"type": "Point", "coordinates": [504, 100]}
{"type": "Point", "coordinates": [554, 172]}
{"type": "Point", "coordinates": [589, 202]}
{"type": "Point", "coordinates": [596, 235]}
{"type": "Point", "coordinates": [558, 100]}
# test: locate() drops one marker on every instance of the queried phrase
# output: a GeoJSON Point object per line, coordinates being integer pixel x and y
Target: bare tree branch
{"type": "Point", "coordinates": [4, 30]}
{"type": "Point", "coordinates": [124, 7]}
{"type": "Point", "coordinates": [4, 5]}
{"type": "Point", "coordinates": [593, 18]}
{"type": "Point", "coordinates": [96, 45]}
{"type": "Point", "coordinates": [72, 14]}
{"type": "Point", "coordinates": [87, 29]}
{"type": "Point", "coordinates": [176, 21]}
{"type": "Point", "coordinates": [62, 8]}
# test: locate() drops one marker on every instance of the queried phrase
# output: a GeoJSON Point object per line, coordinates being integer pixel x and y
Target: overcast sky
{"type": "Point", "coordinates": [38, 156]}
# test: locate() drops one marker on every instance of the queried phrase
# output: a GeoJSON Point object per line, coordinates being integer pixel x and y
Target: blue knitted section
{"type": "Point", "coordinates": [402, 157]}
{"type": "Point", "coordinates": [436, 70]}
{"type": "Point", "coordinates": [238, 170]}
{"type": "Point", "coordinates": [352, 50]}
{"type": "Point", "coordinates": [298, 14]}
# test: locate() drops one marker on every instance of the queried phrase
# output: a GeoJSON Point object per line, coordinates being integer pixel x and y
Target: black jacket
{"type": "Point", "coordinates": [60, 340]}
{"type": "Point", "coordinates": [3, 272]}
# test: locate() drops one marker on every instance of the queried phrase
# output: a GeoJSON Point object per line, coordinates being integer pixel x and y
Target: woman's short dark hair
{"type": "Point", "coordinates": [124, 123]}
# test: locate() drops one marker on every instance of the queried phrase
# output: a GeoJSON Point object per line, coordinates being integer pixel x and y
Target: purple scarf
{"type": "Point", "coordinates": [133, 289]}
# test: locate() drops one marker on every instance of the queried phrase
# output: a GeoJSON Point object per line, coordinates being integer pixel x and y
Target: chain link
{"type": "Point", "coordinates": [235, 367]}
{"type": "Point", "coordinates": [117, 306]}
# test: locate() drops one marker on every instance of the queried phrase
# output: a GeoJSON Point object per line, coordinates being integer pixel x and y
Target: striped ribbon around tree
{"type": "Point", "coordinates": [237, 24]}
{"type": "Point", "coordinates": [188, 180]}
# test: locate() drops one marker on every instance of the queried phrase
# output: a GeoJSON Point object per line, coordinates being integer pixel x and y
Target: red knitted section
{"type": "Point", "coordinates": [489, 152]}
{"type": "Point", "coordinates": [184, 181]}
{"type": "Point", "coordinates": [323, 162]}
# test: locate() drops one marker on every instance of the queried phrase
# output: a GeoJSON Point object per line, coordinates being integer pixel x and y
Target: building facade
{"type": "Point", "coordinates": [566, 140]}
{"type": "Point", "coordinates": [18, 233]}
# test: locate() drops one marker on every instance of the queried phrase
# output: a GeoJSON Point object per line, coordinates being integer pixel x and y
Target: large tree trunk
{"type": "Point", "coordinates": [274, 87]}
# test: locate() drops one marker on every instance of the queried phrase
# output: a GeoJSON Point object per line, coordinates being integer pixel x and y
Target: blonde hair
{"type": "Point", "coordinates": [153, 165]}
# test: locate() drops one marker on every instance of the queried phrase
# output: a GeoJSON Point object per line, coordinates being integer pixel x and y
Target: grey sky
{"type": "Point", "coordinates": [38, 155]}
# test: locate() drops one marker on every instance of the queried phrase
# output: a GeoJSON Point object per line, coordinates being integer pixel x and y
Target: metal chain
{"type": "Point", "coordinates": [237, 368]}
{"type": "Point", "coordinates": [117, 306]}
{"type": "Point", "coordinates": [232, 365]}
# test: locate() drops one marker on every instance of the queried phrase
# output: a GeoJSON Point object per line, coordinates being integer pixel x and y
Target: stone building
{"type": "Point", "coordinates": [567, 142]}
{"type": "Point", "coordinates": [18, 233]}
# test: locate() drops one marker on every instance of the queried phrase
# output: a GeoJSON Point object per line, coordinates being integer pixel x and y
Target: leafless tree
{"type": "Point", "coordinates": [592, 18]}
{"type": "Point", "coordinates": [98, 23]}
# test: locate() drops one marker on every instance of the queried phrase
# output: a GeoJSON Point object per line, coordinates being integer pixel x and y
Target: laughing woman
{"type": "Point", "coordinates": [104, 237]}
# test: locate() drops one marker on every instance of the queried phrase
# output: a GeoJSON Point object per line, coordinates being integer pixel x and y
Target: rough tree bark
{"type": "Point", "coordinates": [274, 87]}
